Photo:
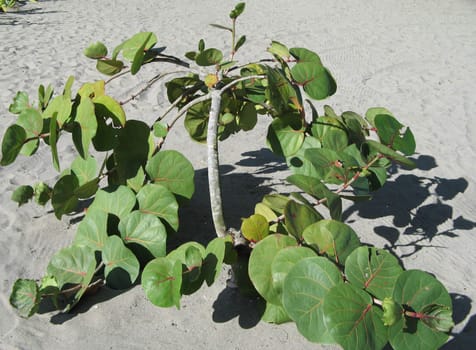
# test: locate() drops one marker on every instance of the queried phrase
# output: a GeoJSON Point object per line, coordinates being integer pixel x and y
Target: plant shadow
{"type": "Point", "coordinates": [405, 200]}
{"type": "Point", "coordinates": [23, 15]}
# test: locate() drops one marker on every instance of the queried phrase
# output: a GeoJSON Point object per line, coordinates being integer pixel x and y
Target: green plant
{"type": "Point", "coordinates": [6, 5]}
{"type": "Point", "coordinates": [309, 267]}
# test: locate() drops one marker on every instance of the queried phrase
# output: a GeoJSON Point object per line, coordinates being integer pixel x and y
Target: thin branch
{"type": "Point", "coordinates": [117, 76]}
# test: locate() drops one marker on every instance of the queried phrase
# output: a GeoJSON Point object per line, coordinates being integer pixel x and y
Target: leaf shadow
{"type": "Point", "coordinates": [404, 198]}
{"type": "Point", "coordinates": [22, 15]}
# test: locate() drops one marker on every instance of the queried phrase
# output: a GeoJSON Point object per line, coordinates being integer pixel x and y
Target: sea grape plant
{"type": "Point", "coordinates": [309, 266]}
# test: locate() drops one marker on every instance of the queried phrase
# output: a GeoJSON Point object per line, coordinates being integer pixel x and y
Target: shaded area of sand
{"type": "Point", "coordinates": [415, 58]}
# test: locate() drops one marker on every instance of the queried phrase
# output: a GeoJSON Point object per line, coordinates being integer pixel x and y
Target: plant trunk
{"type": "Point", "coordinates": [213, 164]}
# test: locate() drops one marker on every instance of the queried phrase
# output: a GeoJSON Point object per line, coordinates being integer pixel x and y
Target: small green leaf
{"type": "Point", "coordinates": [438, 317]}
{"type": "Point", "coordinates": [160, 129]}
{"type": "Point", "coordinates": [86, 126]}
{"type": "Point", "coordinates": [373, 112]}
{"type": "Point", "coordinates": [22, 194]}
{"type": "Point", "coordinates": [172, 170]}
{"type": "Point", "coordinates": [247, 117]}
{"type": "Point", "coordinates": [109, 67]}
{"type": "Point", "coordinates": [285, 135]}
{"type": "Point", "coordinates": [30, 120]}
{"type": "Point", "coordinates": [60, 106]}
{"type": "Point", "coordinates": [161, 281]}
{"type": "Point", "coordinates": [20, 103]}
{"type": "Point", "coordinates": [145, 230]}
{"type": "Point", "coordinates": [137, 44]}
{"type": "Point", "coordinates": [303, 55]}
{"type": "Point", "coordinates": [121, 266]}
{"type": "Point", "coordinates": [279, 50]}
{"type": "Point", "coordinates": [140, 55]}
{"type": "Point", "coordinates": [255, 228]}
{"type": "Point", "coordinates": [391, 154]}
{"type": "Point", "coordinates": [241, 41]}
{"type": "Point", "coordinates": [53, 139]}
{"type": "Point", "coordinates": [12, 144]}
{"type": "Point", "coordinates": [212, 263]}
{"type": "Point", "coordinates": [96, 50]}
{"type": "Point", "coordinates": [84, 169]}
{"type": "Point", "coordinates": [392, 312]}
{"type": "Point", "coordinates": [25, 297]}
{"type": "Point", "coordinates": [332, 238]}
{"type": "Point", "coordinates": [158, 200]}
{"type": "Point", "coordinates": [276, 202]}
{"type": "Point", "coordinates": [209, 57]}
{"type": "Point", "coordinates": [42, 193]}
{"type": "Point", "coordinates": [238, 10]}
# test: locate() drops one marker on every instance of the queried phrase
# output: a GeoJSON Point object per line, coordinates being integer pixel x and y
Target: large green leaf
{"type": "Point", "coordinates": [137, 43]}
{"type": "Point", "coordinates": [261, 259]}
{"type": "Point", "coordinates": [12, 144]}
{"type": "Point", "coordinates": [64, 199]}
{"type": "Point", "coordinates": [391, 154]}
{"type": "Point", "coordinates": [374, 270]}
{"type": "Point", "coordinates": [286, 135]}
{"type": "Point", "coordinates": [298, 163]}
{"type": "Point", "coordinates": [172, 170]}
{"type": "Point", "coordinates": [107, 107]}
{"type": "Point", "coordinates": [352, 319]}
{"type": "Point", "coordinates": [25, 297]}
{"type": "Point", "coordinates": [92, 230]}
{"type": "Point", "coordinates": [84, 169]}
{"type": "Point", "coordinates": [146, 230]}
{"type": "Point", "coordinates": [209, 57]}
{"type": "Point", "coordinates": [318, 190]}
{"type": "Point", "coordinates": [121, 265]}
{"type": "Point", "coordinates": [161, 281]}
{"type": "Point", "coordinates": [196, 121]}
{"type": "Point", "coordinates": [61, 106]}
{"type": "Point", "coordinates": [30, 120]}
{"type": "Point", "coordinates": [316, 80]}
{"type": "Point", "coordinates": [298, 217]}
{"type": "Point", "coordinates": [303, 55]}
{"type": "Point", "coordinates": [284, 261]}
{"type": "Point", "coordinates": [159, 201]}
{"type": "Point", "coordinates": [305, 287]}
{"type": "Point", "coordinates": [420, 292]}
{"type": "Point", "coordinates": [388, 130]}
{"type": "Point", "coordinates": [330, 132]}
{"type": "Point", "coordinates": [86, 126]}
{"type": "Point", "coordinates": [118, 201]}
{"type": "Point", "coordinates": [332, 238]}
{"type": "Point", "coordinates": [328, 164]}
{"type": "Point", "coordinates": [73, 265]}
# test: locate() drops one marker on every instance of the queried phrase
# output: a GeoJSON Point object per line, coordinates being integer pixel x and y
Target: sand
{"type": "Point", "coordinates": [414, 57]}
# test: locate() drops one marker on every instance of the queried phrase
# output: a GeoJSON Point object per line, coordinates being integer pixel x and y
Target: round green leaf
{"type": "Point", "coordinates": [84, 169]}
{"type": "Point", "coordinates": [121, 266]}
{"type": "Point", "coordinates": [119, 201]}
{"type": "Point", "coordinates": [196, 121]}
{"type": "Point", "coordinates": [146, 230]}
{"type": "Point", "coordinates": [42, 193]}
{"type": "Point", "coordinates": [96, 50]}
{"type": "Point", "coordinates": [209, 57]}
{"type": "Point", "coordinates": [162, 280]}
{"type": "Point", "coordinates": [22, 194]}
{"type": "Point", "coordinates": [374, 270]}
{"type": "Point", "coordinates": [73, 265]}
{"type": "Point", "coordinates": [315, 80]}
{"type": "Point", "coordinates": [304, 289]}
{"type": "Point", "coordinates": [159, 201]}
{"type": "Point", "coordinates": [92, 230]}
{"type": "Point", "coordinates": [12, 143]}
{"type": "Point", "coordinates": [255, 228]}
{"type": "Point", "coordinates": [298, 217]}
{"type": "Point", "coordinates": [333, 238]}
{"type": "Point", "coordinates": [30, 120]}
{"type": "Point", "coordinates": [373, 112]}
{"type": "Point", "coordinates": [352, 319]}
{"type": "Point", "coordinates": [64, 199]}
{"type": "Point", "coordinates": [106, 106]}
{"type": "Point", "coordinates": [20, 102]}
{"type": "Point", "coordinates": [172, 170]}
{"type": "Point", "coordinates": [420, 292]}
{"type": "Point", "coordinates": [109, 67]}
{"type": "Point", "coordinates": [160, 129]}
{"type": "Point", "coordinates": [330, 132]}
{"type": "Point", "coordinates": [285, 135]}
{"type": "Point", "coordinates": [284, 261]}
{"type": "Point", "coordinates": [85, 127]}
{"type": "Point", "coordinates": [25, 297]}
{"type": "Point", "coordinates": [260, 262]}
{"type": "Point", "coordinates": [303, 55]}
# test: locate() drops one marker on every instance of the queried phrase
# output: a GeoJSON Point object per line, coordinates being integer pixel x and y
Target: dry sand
{"type": "Point", "coordinates": [417, 58]}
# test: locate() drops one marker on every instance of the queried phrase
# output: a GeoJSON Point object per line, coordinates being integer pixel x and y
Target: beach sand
{"type": "Point", "coordinates": [415, 58]}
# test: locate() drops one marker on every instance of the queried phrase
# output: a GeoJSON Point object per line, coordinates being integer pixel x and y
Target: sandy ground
{"type": "Point", "coordinates": [414, 57]}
